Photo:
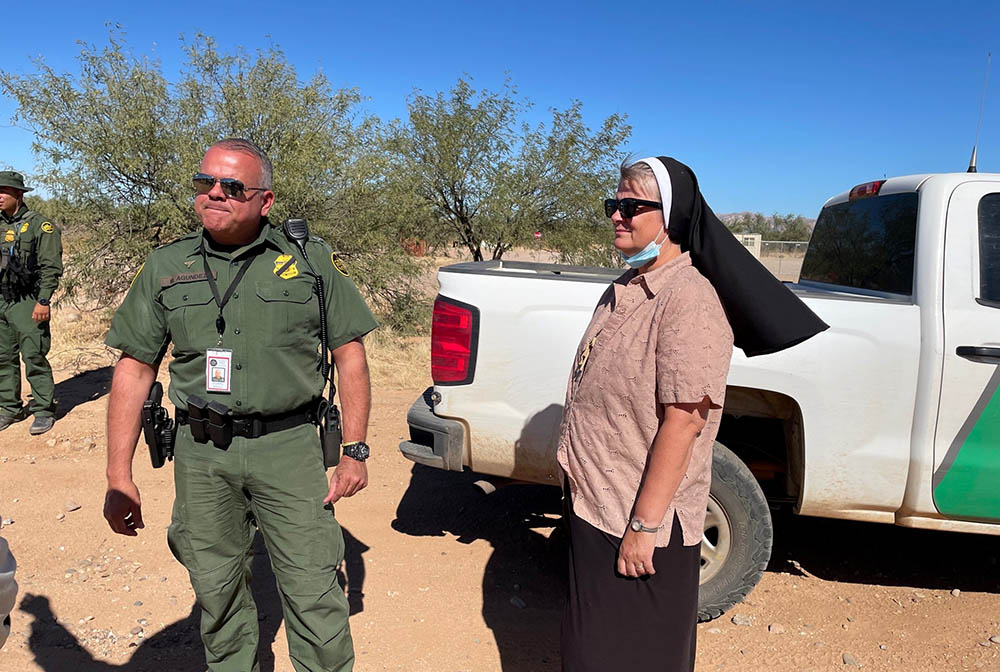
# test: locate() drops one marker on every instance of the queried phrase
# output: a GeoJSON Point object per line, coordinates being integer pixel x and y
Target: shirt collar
{"type": "Point", "coordinates": [264, 237]}
{"type": "Point", "coordinates": [655, 280]}
{"type": "Point", "coordinates": [20, 212]}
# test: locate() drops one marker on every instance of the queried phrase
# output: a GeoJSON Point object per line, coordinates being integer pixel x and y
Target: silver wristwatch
{"type": "Point", "coordinates": [637, 526]}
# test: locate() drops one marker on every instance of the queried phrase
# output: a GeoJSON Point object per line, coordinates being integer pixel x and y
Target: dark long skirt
{"type": "Point", "coordinates": [613, 622]}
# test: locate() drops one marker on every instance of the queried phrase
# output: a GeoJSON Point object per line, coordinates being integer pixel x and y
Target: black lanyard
{"type": "Point", "coordinates": [220, 321]}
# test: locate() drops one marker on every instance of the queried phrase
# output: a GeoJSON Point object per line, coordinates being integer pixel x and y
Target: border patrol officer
{"type": "Point", "coordinates": [237, 302]}
{"type": "Point", "coordinates": [30, 268]}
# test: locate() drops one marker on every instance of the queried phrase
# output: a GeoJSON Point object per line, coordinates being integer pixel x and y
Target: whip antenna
{"type": "Point", "coordinates": [979, 124]}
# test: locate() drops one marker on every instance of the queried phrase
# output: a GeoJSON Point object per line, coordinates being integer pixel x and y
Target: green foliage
{"type": "Point", "coordinates": [118, 144]}
{"type": "Point", "coordinates": [776, 227]}
{"type": "Point", "coordinates": [490, 181]}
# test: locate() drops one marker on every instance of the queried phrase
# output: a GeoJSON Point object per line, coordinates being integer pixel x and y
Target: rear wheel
{"type": "Point", "coordinates": [736, 543]}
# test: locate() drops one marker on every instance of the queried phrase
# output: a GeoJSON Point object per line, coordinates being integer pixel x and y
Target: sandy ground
{"type": "Point", "coordinates": [443, 578]}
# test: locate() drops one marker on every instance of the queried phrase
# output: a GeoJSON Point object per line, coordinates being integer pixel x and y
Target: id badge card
{"type": "Point", "coordinates": [218, 369]}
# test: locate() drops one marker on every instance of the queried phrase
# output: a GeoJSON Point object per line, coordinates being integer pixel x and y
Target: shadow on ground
{"type": "Point", "coordinates": [888, 555]}
{"type": "Point", "coordinates": [524, 581]}
{"type": "Point", "coordinates": [525, 619]}
{"type": "Point", "coordinates": [81, 388]}
{"type": "Point", "coordinates": [178, 646]}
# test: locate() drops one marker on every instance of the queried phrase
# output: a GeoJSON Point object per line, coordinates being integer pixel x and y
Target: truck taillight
{"type": "Point", "coordinates": [454, 339]}
{"type": "Point", "coordinates": [865, 190]}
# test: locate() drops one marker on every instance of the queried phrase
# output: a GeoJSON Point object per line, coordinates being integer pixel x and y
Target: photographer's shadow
{"type": "Point", "coordinates": [178, 646]}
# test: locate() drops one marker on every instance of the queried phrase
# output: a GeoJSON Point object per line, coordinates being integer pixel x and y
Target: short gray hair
{"type": "Point", "coordinates": [637, 171]}
{"type": "Point", "coordinates": [247, 147]}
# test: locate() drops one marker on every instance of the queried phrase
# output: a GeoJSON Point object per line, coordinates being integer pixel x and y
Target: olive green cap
{"type": "Point", "coordinates": [14, 179]}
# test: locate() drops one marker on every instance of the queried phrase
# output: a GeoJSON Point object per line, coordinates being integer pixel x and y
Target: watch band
{"type": "Point", "coordinates": [637, 526]}
{"type": "Point", "coordinates": [357, 450]}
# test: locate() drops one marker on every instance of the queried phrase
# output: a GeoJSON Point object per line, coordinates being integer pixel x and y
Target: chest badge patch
{"type": "Point", "coordinates": [24, 227]}
{"type": "Point", "coordinates": [339, 264]}
{"type": "Point", "coordinates": [285, 267]}
{"type": "Point", "coordinates": [9, 236]}
{"type": "Point", "coordinates": [47, 227]}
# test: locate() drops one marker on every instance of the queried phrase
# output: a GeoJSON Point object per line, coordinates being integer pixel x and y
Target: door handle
{"type": "Point", "coordinates": [979, 353]}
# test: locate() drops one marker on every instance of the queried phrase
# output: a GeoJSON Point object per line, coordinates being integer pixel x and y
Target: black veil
{"type": "Point", "coordinates": [764, 314]}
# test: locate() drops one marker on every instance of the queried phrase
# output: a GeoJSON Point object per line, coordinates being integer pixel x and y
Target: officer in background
{"type": "Point", "coordinates": [238, 303]}
{"type": "Point", "coordinates": [30, 268]}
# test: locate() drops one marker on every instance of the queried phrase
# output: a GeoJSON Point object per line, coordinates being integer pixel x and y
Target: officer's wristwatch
{"type": "Point", "coordinates": [356, 450]}
{"type": "Point", "coordinates": [43, 302]}
{"type": "Point", "coordinates": [637, 526]}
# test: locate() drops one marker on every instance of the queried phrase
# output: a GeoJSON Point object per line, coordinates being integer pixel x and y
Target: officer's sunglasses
{"type": "Point", "coordinates": [627, 206]}
{"type": "Point", "coordinates": [231, 187]}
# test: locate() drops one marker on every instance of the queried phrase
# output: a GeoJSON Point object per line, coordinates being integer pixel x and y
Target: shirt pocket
{"type": "Point", "coordinates": [289, 316]}
{"type": "Point", "coordinates": [190, 312]}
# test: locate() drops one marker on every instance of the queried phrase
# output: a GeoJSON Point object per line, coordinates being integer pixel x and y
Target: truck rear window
{"type": "Point", "coordinates": [865, 244]}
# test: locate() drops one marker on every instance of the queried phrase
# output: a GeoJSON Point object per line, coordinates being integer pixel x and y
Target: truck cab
{"type": "Point", "coordinates": [889, 416]}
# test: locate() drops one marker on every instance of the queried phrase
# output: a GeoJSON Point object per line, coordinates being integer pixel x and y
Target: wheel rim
{"type": "Point", "coordinates": [716, 540]}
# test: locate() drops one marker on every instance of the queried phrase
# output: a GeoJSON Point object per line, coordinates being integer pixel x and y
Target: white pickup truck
{"type": "Point", "coordinates": [889, 416]}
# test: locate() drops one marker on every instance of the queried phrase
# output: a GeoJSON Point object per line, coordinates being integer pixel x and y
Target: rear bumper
{"type": "Point", "coordinates": [434, 441]}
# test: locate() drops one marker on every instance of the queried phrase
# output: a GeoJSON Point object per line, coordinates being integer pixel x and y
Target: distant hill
{"type": "Point", "coordinates": [730, 217]}
{"type": "Point", "coordinates": [770, 227]}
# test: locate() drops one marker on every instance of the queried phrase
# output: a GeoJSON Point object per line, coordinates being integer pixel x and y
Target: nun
{"type": "Point", "coordinates": [642, 411]}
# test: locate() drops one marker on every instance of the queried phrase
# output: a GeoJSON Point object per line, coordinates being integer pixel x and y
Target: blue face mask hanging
{"type": "Point", "coordinates": [645, 255]}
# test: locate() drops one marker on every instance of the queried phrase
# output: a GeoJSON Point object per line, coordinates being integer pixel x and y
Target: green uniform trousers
{"type": "Point", "coordinates": [21, 334]}
{"type": "Point", "coordinates": [278, 481]}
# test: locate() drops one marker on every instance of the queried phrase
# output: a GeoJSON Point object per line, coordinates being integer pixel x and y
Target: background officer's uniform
{"type": "Point", "coordinates": [272, 328]}
{"type": "Point", "coordinates": [24, 234]}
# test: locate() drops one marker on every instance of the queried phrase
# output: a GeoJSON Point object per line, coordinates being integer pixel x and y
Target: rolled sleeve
{"type": "Point", "coordinates": [693, 351]}
{"type": "Point", "coordinates": [139, 327]}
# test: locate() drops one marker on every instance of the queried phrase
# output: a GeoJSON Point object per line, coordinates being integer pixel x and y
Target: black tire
{"type": "Point", "coordinates": [740, 519]}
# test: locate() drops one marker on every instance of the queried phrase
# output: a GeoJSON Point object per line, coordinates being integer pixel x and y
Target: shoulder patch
{"type": "Point", "coordinates": [339, 264]}
{"type": "Point", "coordinates": [47, 227]}
{"type": "Point", "coordinates": [136, 276]}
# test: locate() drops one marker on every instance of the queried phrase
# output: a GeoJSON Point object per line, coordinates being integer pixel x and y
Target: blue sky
{"type": "Point", "coordinates": [776, 106]}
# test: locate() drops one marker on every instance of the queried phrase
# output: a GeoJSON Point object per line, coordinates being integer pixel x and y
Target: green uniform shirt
{"type": "Point", "coordinates": [27, 228]}
{"type": "Point", "coordinates": [272, 320]}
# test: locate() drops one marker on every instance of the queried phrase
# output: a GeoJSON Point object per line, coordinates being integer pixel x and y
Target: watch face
{"type": "Point", "coordinates": [636, 525]}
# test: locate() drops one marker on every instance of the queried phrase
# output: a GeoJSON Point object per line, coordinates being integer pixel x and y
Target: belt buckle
{"type": "Point", "coordinates": [249, 427]}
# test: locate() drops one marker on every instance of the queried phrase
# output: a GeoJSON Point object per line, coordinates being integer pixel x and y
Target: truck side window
{"type": "Point", "coordinates": [989, 250]}
{"type": "Point", "coordinates": [866, 244]}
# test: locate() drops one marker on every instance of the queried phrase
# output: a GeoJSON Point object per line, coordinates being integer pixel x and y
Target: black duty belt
{"type": "Point", "coordinates": [256, 426]}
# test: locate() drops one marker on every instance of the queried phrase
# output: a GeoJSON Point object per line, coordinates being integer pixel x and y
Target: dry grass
{"type": "Point", "coordinates": [78, 339]}
{"type": "Point", "coordinates": [398, 362]}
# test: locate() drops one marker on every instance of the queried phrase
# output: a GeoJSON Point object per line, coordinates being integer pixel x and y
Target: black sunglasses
{"type": "Point", "coordinates": [627, 206]}
{"type": "Point", "coordinates": [231, 187]}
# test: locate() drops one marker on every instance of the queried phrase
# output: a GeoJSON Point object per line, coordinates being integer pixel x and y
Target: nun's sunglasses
{"type": "Point", "coordinates": [627, 206]}
{"type": "Point", "coordinates": [231, 187]}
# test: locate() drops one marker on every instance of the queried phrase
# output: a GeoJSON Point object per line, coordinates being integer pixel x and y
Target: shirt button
{"type": "Point", "coordinates": [236, 331]}
{"type": "Point", "coordinates": [185, 297]}
{"type": "Point", "coordinates": [239, 403]}
{"type": "Point", "coordinates": [285, 292]}
{"type": "Point", "coordinates": [236, 295]}
{"type": "Point", "coordinates": [239, 367]}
